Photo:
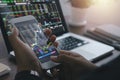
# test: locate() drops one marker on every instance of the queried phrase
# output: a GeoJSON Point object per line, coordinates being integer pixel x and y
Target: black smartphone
{"type": "Point", "coordinates": [32, 34]}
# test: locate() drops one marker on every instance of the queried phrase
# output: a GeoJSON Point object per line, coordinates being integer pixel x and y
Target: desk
{"type": "Point", "coordinates": [92, 22]}
{"type": "Point", "coordinates": [10, 76]}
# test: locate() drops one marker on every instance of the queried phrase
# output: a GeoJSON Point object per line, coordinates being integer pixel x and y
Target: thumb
{"type": "Point", "coordinates": [14, 32]}
{"type": "Point", "coordinates": [64, 57]}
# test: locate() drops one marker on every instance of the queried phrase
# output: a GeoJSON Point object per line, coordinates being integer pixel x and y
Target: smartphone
{"type": "Point", "coordinates": [32, 34]}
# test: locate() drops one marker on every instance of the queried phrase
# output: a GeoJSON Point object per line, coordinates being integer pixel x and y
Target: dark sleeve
{"type": "Point", "coordinates": [110, 71]}
{"type": "Point", "coordinates": [25, 75]}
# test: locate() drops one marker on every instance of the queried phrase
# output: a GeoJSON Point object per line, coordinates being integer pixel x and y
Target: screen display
{"type": "Point", "coordinates": [45, 11]}
{"type": "Point", "coordinates": [22, 1]}
{"type": "Point", "coordinates": [31, 34]}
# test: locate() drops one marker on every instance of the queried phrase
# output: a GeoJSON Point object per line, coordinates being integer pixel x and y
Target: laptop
{"type": "Point", "coordinates": [49, 14]}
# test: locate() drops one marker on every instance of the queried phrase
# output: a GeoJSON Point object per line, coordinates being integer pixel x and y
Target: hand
{"type": "Point", "coordinates": [25, 57]}
{"type": "Point", "coordinates": [72, 65]}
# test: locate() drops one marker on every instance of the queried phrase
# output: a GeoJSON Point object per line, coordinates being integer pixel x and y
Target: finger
{"type": "Point", "coordinates": [59, 58]}
{"type": "Point", "coordinates": [69, 53]}
{"type": "Point", "coordinates": [48, 32]}
{"type": "Point", "coordinates": [65, 52]}
{"type": "Point", "coordinates": [40, 24]}
{"type": "Point", "coordinates": [54, 58]}
{"type": "Point", "coordinates": [14, 33]}
{"type": "Point", "coordinates": [52, 38]}
{"type": "Point", "coordinates": [56, 44]}
{"type": "Point", "coordinates": [54, 72]}
{"type": "Point", "coordinates": [63, 59]}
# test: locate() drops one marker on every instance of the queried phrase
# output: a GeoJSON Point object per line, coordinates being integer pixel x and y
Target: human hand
{"type": "Point", "coordinates": [25, 57]}
{"type": "Point", "coordinates": [72, 65]}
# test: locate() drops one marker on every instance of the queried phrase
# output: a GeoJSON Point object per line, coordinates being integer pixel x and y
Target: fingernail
{"type": "Point", "coordinates": [53, 57]}
{"type": "Point", "coordinates": [62, 51]}
{"type": "Point", "coordinates": [10, 31]}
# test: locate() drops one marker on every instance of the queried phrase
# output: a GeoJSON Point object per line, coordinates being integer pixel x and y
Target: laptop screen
{"type": "Point", "coordinates": [47, 12]}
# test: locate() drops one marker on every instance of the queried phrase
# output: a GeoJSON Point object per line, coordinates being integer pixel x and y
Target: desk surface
{"type": "Point", "coordinates": [5, 60]}
{"type": "Point", "coordinates": [93, 14]}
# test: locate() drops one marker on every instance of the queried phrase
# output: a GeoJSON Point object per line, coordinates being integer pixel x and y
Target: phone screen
{"type": "Point", "coordinates": [32, 34]}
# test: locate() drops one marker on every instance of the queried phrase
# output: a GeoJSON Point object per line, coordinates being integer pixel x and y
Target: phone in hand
{"type": "Point", "coordinates": [32, 34]}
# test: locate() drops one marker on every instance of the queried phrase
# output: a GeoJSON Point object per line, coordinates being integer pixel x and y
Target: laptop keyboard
{"type": "Point", "coordinates": [70, 43]}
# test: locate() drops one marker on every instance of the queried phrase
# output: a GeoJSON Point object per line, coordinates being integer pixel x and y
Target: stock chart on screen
{"type": "Point", "coordinates": [45, 11]}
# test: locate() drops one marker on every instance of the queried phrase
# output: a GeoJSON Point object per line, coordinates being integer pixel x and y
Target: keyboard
{"type": "Point", "coordinates": [70, 43]}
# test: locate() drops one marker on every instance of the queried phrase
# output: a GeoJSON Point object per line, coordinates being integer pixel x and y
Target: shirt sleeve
{"type": "Point", "coordinates": [110, 71]}
{"type": "Point", "coordinates": [25, 75]}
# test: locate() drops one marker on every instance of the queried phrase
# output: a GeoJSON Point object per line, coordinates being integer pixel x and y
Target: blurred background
{"type": "Point", "coordinates": [100, 12]}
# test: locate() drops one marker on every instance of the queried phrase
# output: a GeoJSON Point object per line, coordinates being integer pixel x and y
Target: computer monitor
{"type": "Point", "coordinates": [47, 12]}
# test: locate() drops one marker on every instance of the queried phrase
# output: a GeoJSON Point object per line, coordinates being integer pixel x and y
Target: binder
{"type": "Point", "coordinates": [4, 69]}
{"type": "Point", "coordinates": [108, 34]}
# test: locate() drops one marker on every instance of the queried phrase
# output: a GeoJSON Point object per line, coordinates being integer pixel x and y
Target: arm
{"type": "Point", "coordinates": [73, 65]}
{"type": "Point", "coordinates": [26, 58]}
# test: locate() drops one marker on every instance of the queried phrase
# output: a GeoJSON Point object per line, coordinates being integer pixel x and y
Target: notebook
{"type": "Point", "coordinates": [50, 15]}
{"type": "Point", "coordinates": [4, 69]}
{"type": "Point", "coordinates": [109, 30]}
{"type": "Point", "coordinates": [107, 33]}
